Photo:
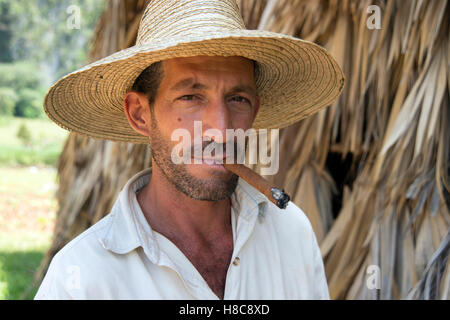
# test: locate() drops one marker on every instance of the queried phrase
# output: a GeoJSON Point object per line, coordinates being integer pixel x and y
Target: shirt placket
{"type": "Point", "coordinates": [190, 277]}
{"type": "Point", "coordinates": [243, 232]}
{"type": "Point", "coordinates": [195, 287]}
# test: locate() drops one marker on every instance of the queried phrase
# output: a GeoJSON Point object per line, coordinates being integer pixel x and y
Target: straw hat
{"type": "Point", "coordinates": [296, 78]}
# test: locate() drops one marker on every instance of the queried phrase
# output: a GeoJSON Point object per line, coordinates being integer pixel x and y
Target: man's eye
{"type": "Point", "coordinates": [188, 97]}
{"type": "Point", "coordinates": [240, 99]}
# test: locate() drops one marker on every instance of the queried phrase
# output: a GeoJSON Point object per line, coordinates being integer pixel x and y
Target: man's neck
{"type": "Point", "coordinates": [173, 214]}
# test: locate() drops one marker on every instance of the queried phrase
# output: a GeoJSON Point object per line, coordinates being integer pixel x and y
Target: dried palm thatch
{"type": "Point", "coordinates": [371, 171]}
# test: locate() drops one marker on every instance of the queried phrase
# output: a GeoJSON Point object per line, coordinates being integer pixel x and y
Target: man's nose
{"type": "Point", "coordinates": [216, 117]}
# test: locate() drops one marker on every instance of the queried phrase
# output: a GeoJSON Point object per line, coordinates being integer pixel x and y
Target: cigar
{"type": "Point", "coordinates": [273, 193]}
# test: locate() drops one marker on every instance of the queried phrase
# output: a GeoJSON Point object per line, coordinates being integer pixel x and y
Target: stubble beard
{"type": "Point", "coordinates": [213, 189]}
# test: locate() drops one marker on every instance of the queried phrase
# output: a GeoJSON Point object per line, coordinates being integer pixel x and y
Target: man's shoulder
{"type": "Point", "coordinates": [77, 262]}
{"type": "Point", "coordinates": [291, 219]}
{"type": "Point", "coordinates": [297, 244]}
{"type": "Point", "coordinates": [85, 252]}
{"type": "Point", "coordinates": [87, 243]}
{"type": "Point", "coordinates": [289, 227]}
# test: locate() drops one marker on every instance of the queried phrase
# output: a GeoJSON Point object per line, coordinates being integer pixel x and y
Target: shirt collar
{"type": "Point", "coordinates": [129, 229]}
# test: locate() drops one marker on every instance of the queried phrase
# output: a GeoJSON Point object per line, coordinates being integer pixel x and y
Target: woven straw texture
{"type": "Point", "coordinates": [296, 78]}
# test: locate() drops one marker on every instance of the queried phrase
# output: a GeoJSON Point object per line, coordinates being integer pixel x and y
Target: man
{"type": "Point", "coordinates": [193, 231]}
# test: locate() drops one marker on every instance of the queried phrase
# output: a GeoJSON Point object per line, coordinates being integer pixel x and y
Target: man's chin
{"type": "Point", "coordinates": [207, 171]}
{"type": "Point", "coordinates": [209, 183]}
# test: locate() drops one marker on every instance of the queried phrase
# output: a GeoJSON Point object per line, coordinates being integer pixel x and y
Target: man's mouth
{"type": "Point", "coordinates": [209, 160]}
{"type": "Point", "coordinates": [216, 163]}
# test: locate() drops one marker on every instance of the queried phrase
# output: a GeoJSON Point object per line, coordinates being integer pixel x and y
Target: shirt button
{"type": "Point", "coordinates": [236, 261]}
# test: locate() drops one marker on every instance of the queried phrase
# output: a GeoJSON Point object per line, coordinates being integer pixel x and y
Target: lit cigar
{"type": "Point", "coordinates": [273, 193]}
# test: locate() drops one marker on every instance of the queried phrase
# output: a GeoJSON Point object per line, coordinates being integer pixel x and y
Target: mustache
{"type": "Point", "coordinates": [230, 147]}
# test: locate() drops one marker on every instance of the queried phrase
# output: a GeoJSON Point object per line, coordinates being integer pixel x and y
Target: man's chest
{"type": "Point", "coordinates": [212, 264]}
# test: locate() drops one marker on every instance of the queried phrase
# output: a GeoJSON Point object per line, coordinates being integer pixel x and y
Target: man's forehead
{"type": "Point", "coordinates": [184, 72]}
{"type": "Point", "coordinates": [208, 62]}
{"type": "Point", "coordinates": [191, 83]}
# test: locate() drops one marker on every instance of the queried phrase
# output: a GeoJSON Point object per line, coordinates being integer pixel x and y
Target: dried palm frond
{"type": "Point", "coordinates": [390, 210]}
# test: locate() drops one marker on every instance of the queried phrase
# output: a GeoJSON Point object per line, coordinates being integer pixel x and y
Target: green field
{"type": "Point", "coordinates": [20, 256]}
{"type": "Point", "coordinates": [27, 214]}
{"type": "Point", "coordinates": [27, 200]}
{"type": "Point", "coordinates": [45, 145]}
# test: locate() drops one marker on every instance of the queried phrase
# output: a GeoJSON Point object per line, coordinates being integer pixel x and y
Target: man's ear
{"type": "Point", "coordinates": [137, 110]}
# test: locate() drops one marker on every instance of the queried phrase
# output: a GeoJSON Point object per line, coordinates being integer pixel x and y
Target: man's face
{"type": "Point", "coordinates": [218, 91]}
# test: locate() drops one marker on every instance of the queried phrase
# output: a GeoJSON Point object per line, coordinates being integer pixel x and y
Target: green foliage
{"type": "Point", "coordinates": [40, 46]}
{"type": "Point", "coordinates": [29, 104]}
{"type": "Point", "coordinates": [19, 75]}
{"type": "Point", "coordinates": [24, 134]}
{"type": "Point", "coordinates": [8, 100]}
{"type": "Point", "coordinates": [5, 32]}
{"type": "Point", "coordinates": [20, 90]}
{"type": "Point", "coordinates": [47, 140]}
{"type": "Point", "coordinates": [40, 32]}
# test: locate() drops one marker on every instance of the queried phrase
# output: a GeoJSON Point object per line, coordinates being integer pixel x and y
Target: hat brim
{"type": "Point", "coordinates": [296, 79]}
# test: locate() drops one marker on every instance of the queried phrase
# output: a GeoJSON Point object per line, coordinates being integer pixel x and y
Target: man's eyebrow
{"type": "Point", "coordinates": [244, 88]}
{"type": "Point", "coordinates": [187, 83]}
{"type": "Point", "coordinates": [190, 83]}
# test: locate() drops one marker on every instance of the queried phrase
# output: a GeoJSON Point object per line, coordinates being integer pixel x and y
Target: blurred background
{"type": "Point", "coordinates": [36, 49]}
{"type": "Point", "coordinates": [370, 171]}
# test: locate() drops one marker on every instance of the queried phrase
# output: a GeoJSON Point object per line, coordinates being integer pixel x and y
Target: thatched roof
{"type": "Point", "coordinates": [370, 171]}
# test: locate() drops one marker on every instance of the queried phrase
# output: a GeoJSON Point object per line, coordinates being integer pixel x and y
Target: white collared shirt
{"type": "Point", "coordinates": [275, 255]}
